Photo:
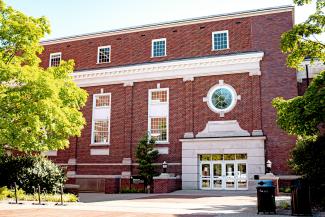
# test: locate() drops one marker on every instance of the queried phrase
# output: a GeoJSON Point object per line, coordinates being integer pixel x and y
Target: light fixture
{"type": "Point", "coordinates": [164, 165]}
{"type": "Point", "coordinates": [268, 166]}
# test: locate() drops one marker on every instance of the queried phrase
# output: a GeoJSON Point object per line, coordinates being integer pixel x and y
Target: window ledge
{"type": "Point", "coordinates": [162, 143]}
{"type": "Point", "coordinates": [103, 63]}
{"type": "Point", "coordinates": [100, 144]}
{"type": "Point", "coordinates": [158, 56]}
{"type": "Point", "coordinates": [220, 49]}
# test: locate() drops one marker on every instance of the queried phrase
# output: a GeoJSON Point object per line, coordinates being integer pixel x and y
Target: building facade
{"type": "Point", "coordinates": [202, 87]}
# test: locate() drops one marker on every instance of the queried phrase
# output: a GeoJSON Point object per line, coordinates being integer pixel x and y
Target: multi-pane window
{"type": "Point", "coordinates": [158, 47]}
{"type": "Point", "coordinates": [55, 59]}
{"type": "Point", "coordinates": [102, 100]}
{"type": "Point", "coordinates": [159, 96]}
{"type": "Point", "coordinates": [101, 131]}
{"type": "Point", "coordinates": [158, 114]}
{"type": "Point", "coordinates": [158, 127]}
{"type": "Point", "coordinates": [104, 54]}
{"type": "Point", "coordinates": [101, 119]}
{"type": "Point", "coordinates": [220, 40]}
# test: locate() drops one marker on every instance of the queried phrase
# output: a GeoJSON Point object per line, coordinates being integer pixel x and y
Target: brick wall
{"type": "Point", "coordinates": [188, 112]}
{"type": "Point", "coordinates": [276, 80]}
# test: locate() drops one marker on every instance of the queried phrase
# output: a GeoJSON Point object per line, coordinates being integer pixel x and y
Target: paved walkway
{"type": "Point", "coordinates": [176, 204]}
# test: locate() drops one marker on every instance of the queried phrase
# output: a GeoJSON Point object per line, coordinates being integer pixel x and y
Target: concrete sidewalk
{"type": "Point", "coordinates": [176, 204]}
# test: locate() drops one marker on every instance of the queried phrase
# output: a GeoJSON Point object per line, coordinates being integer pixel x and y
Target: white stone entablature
{"type": "Point", "coordinates": [204, 66]}
{"type": "Point", "coordinates": [222, 129]}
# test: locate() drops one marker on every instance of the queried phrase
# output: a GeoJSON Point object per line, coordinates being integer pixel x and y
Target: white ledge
{"type": "Point", "coordinates": [225, 138]}
{"type": "Point", "coordinates": [204, 66]}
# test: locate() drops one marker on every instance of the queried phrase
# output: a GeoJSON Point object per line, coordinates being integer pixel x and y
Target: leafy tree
{"type": "Point", "coordinates": [30, 171]}
{"type": "Point", "coordinates": [39, 108]}
{"type": "Point", "coordinates": [303, 115]}
{"type": "Point", "coordinates": [303, 40]}
{"type": "Point", "coordinates": [146, 156]}
{"type": "Point", "coordinates": [308, 159]}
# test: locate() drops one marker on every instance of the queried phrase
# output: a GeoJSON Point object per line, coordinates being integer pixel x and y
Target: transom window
{"type": "Point", "coordinates": [104, 54]}
{"type": "Point", "coordinates": [220, 40]}
{"type": "Point", "coordinates": [101, 131]}
{"type": "Point", "coordinates": [158, 47]}
{"type": "Point", "coordinates": [216, 157]}
{"type": "Point", "coordinates": [102, 100]}
{"type": "Point", "coordinates": [159, 96]}
{"type": "Point", "coordinates": [55, 59]}
{"type": "Point", "coordinates": [158, 128]}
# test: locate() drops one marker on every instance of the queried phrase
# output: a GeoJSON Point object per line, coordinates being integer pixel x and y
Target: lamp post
{"type": "Point", "coordinates": [164, 165]}
{"type": "Point", "coordinates": [307, 75]}
{"type": "Point", "coordinates": [268, 166]}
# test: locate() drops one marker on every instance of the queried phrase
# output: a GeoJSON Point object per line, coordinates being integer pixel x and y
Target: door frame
{"type": "Point", "coordinates": [211, 178]}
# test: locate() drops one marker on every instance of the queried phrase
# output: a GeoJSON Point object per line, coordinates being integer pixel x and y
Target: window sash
{"type": "Point", "coordinates": [159, 125]}
{"type": "Point", "coordinates": [102, 101]}
{"type": "Point", "coordinates": [101, 131]}
{"type": "Point", "coordinates": [55, 59]}
{"type": "Point", "coordinates": [104, 54]}
{"type": "Point", "coordinates": [159, 96]}
{"type": "Point", "coordinates": [220, 40]}
{"type": "Point", "coordinates": [158, 47]}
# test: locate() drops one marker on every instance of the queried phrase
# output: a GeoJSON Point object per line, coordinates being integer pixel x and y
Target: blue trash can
{"type": "Point", "coordinates": [265, 183]}
{"type": "Point", "coordinates": [265, 196]}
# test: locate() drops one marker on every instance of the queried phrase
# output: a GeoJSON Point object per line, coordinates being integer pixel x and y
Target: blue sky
{"type": "Point", "coordinates": [71, 17]}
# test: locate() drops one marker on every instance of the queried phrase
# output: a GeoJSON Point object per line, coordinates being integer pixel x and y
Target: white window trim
{"type": "Point", "coordinates": [235, 97]}
{"type": "Point", "coordinates": [52, 54]}
{"type": "Point", "coordinates": [167, 129]}
{"type": "Point", "coordinates": [217, 32]}
{"type": "Point", "coordinates": [93, 143]}
{"type": "Point", "coordinates": [102, 94]}
{"type": "Point", "coordinates": [156, 90]}
{"type": "Point", "coordinates": [152, 51]}
{"type": "Point", "coordinates": [150, 102]}
{"type": "Point", "coordinates": [110, 51]}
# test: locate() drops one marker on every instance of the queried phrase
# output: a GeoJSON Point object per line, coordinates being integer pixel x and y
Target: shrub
{"type": "Point", "coordinates": [308, 160]}
{"type": "Point", "coordinates": [30, 171]}
{"type": "Point", "coordinates": [6, 193]}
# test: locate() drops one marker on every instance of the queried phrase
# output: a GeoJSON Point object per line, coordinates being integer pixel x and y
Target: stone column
{"type": "Point", "coordinates": [188, 82]}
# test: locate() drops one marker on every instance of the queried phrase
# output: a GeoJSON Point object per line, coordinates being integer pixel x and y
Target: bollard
{"type": "Point", "coordinates": [39, 196]}
{"type": "Point", "coordinates": [16, 196]}
{"type": "Point", "coordinates": [61, 194]}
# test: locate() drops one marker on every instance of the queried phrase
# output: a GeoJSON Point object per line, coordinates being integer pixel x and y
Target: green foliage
{"type": "Point", "coordinates": [29, 171]}
{"type": "Point", "coordinates": [303, 39]}
{"type": "Point", "coordinates": [303, 115]}
{"type": "Point", "coordinates": [6, 193]}
{"type": "Point", "coordinates": [146, 156]}
{"type": "Point", "coordinates": [308, 160]}
{"type": "Point", "coordinates": [132, 190]}
{"type": "Point", "coordinates": [39, 108]}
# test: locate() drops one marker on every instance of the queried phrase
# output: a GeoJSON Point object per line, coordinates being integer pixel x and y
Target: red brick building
{"type": "Point", "coordinates": [203, 87]}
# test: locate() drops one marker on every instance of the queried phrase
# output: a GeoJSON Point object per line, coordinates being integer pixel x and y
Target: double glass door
{"type": "Point", "coordinates": [223, 175]}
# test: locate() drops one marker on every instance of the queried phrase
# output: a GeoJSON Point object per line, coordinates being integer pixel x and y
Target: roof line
{"type": "Point", "coordinates": [170, 23]}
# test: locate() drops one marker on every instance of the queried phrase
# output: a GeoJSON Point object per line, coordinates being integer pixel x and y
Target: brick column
{"type": "Point", "coordinates": [189, 128]}
{"type": "Point", "coordinates": [128, 114]}
{"type": "Point", "coordinates": [256, 106]}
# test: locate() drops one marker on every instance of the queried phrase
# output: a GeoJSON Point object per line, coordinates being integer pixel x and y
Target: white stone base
{"type": "Point", "coordinates": [192, 148]}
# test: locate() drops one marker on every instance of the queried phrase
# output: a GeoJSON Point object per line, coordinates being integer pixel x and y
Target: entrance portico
{"type": "Point", "coordinates": [211, 161]}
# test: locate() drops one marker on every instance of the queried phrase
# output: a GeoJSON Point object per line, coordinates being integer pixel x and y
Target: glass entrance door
{"type": "Point", "coordinates": [217, 179]}
{"type": "Point", "coordinates": [229, 171]}
{"type": "Point", "coordinates": [205, 175]}
{"type": "Point", "coordinates": [226, 173]}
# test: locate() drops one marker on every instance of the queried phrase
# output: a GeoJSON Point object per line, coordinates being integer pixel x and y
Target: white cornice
{"type": "Point", "coordinates": [204, 19]}
{"type": "Point", "coordinates": [198, 67]}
